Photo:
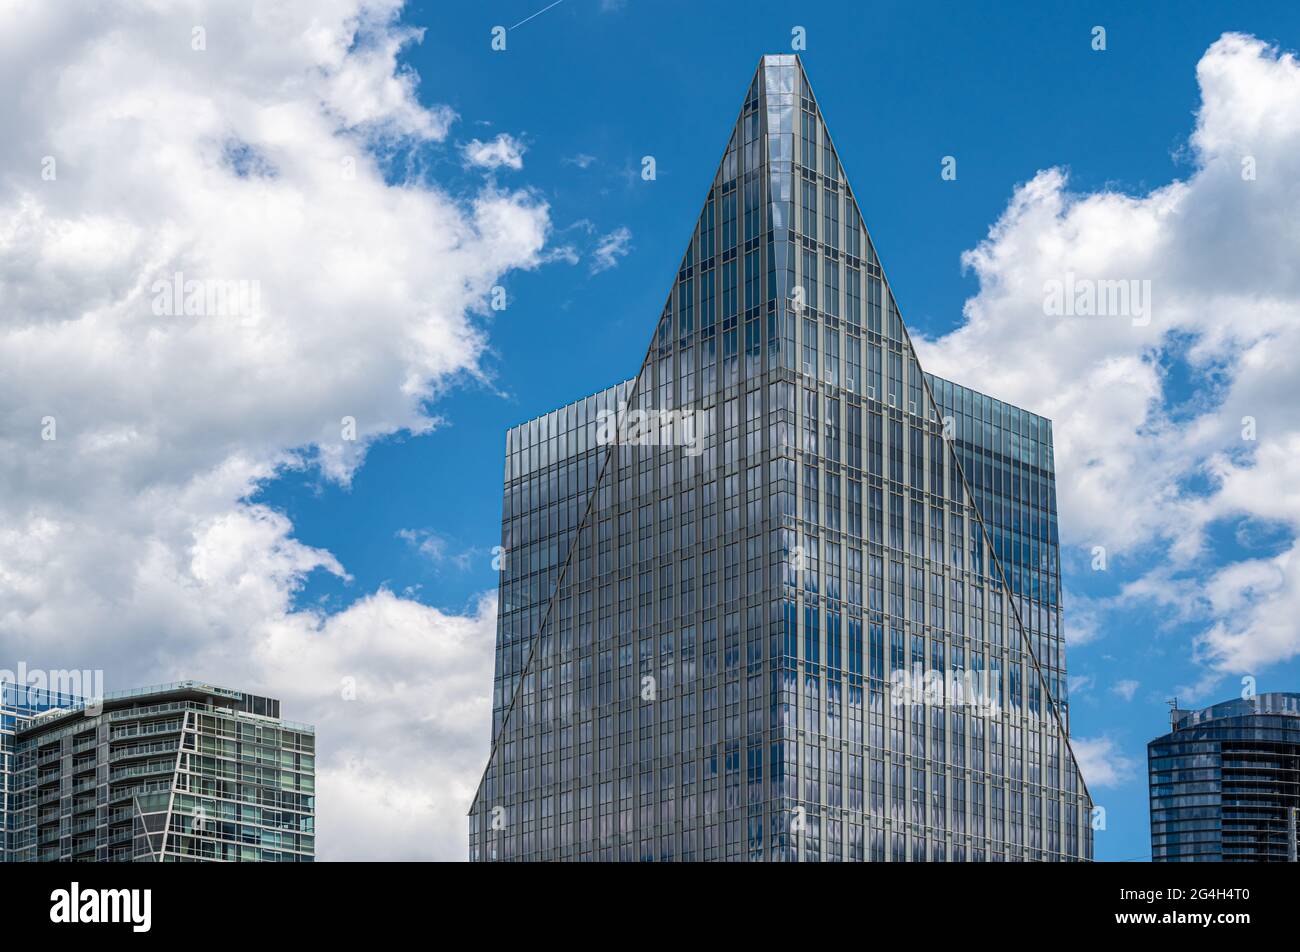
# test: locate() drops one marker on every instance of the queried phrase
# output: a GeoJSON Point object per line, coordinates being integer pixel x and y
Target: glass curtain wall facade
{"type": "Point", "coordinates": [551, 466]}
{"type": "Point", "coordinates": [184, 771]}
{"type": "Point", "coordinates": [1223, 780]}
{"type": "Point", "coordinates": [1006, 456]}
{"type": "Point", "coordinates": [723, 657]}
{"type": "Point", "coordinates": [18, 704]}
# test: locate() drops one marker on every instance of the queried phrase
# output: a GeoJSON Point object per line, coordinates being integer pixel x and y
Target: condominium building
{"type": "Point", "coordinates": [781, 595]}
{"type": "Point", "coordinates": [1224, 781]}
{"type": "Point", "coordinates": [182, 771]}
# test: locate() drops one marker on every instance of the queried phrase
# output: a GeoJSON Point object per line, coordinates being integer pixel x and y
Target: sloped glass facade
{"type": "Point", "coordinates": [1223, 780]}
{"type": "Point", "coordinates": [1006, 456]}
{"type": "Point", "coordinates": [764, 619]}
{"type": "Point", "coordinates": [551, 467]}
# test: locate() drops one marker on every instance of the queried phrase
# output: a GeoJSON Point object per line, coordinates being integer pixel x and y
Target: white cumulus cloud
{"type": "Point", "coordinates": [1102, 762]}
{"type": "Point", "coordinates": [1142, 468]}
{"type": "Point", "coordinates": [136, 150]}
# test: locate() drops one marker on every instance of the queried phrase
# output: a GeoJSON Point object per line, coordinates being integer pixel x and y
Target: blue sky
{"type": "Point", "coordinates": [376, 168]}
{"type": "Point", "coordinates": [589, 88]}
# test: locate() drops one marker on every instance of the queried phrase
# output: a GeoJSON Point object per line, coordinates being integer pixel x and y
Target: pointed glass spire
{"type": "Point", "coordinates": [707, 647]}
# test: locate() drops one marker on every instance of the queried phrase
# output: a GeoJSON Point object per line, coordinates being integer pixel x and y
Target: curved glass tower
{"type": "Point", "coordinates": [1223, 781]}
{"type": "Point", "coordinates": [798, 601]}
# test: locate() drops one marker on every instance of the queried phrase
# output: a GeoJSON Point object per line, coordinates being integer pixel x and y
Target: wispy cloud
{"type": "Point", "coordinates": [435, 548]}
{"type": "Point", "coordinates": [505, 150]}
{"type": "Point", "coordinates": [565, 253]}
{"type": "Point", "coordinates": [1126, 688]}
{"type": "Point", "coordinates": [611, 248]}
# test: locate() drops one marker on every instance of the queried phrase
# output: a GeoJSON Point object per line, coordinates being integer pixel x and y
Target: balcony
{"type": "Point", "coordinates": [142, 770]}
{"type": "Point", "coordinates": [141, 750]}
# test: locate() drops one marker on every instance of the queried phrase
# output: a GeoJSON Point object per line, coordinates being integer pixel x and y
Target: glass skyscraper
{"type": "Point", "coordinates": [1223, 780]}
{"type": "Point", "coordinates": [780, 596]}
{"type": "Point", "coordinates": [183, 771]}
